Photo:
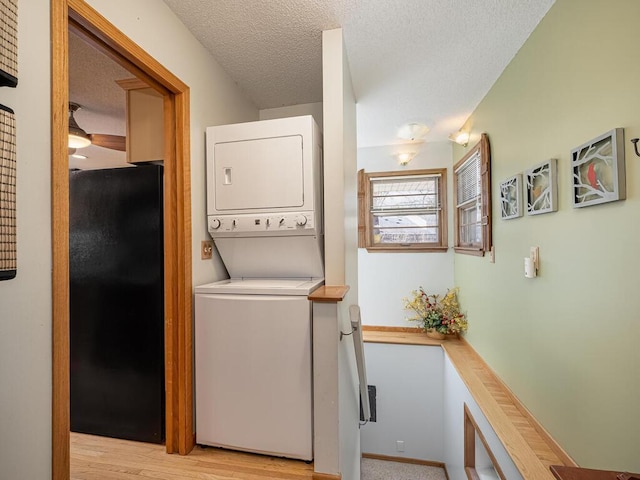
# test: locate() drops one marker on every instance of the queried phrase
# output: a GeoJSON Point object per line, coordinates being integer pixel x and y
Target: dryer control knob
{"type": "Point", "coordinates": [301, 220]}
{"type": "Point", "coordinates": [215, 224]}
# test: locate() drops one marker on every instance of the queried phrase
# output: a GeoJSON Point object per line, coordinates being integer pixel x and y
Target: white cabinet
{"type": "Point", "coordinates": [145, 122]}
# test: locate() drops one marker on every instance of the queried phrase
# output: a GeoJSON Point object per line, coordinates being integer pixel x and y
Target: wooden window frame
{"type": "Point", "coordinates": [365, 223]}
{"type": "Point", "coordinates": [485, 198]}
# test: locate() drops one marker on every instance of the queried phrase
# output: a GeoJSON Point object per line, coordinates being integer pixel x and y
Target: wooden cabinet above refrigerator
{"type": "Point", "coordinates": [145, 121]}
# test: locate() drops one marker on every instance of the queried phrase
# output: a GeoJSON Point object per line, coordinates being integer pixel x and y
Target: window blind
{"type": "Point", "coordinates": [469, 180]}
{"type": "Point", "coordinates": [405, 194]}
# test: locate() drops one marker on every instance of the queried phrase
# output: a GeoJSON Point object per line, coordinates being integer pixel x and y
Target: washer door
{"type": "Point", "coordinates": [259, 174]}
{"type": "Point", "coordinates": [253, 373]}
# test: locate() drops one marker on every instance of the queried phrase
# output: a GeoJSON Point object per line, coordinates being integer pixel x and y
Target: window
{"type": "Point", "coordinates": [472, 194]}
{"type": "Point", "coordinates": [402, 210]}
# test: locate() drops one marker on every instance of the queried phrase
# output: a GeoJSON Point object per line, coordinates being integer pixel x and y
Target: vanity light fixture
{"type": "Point", "coordinates": [460, 137]}
{"type": "Point", "coordinates": [405, 157]}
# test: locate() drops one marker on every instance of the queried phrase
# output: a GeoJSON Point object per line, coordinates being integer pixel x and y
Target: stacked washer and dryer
{"type": "Point", "coordinates": [253, 342]}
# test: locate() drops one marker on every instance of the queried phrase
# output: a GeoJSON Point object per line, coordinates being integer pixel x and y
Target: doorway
{"type": "Point", "coordinates": [95, 29]}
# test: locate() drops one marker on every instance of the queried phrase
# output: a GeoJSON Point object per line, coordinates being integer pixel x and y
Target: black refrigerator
{"type": "Point", "coordinates": [117, 302]}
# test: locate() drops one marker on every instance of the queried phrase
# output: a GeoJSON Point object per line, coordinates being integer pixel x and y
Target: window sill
{"type": "Point", "coordinates": [401, 249]}
{"type": "Point", "coordinates": [475, 251]}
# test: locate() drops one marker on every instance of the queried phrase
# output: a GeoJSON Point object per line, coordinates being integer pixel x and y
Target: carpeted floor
{"type": "Point", "coordinates": [381, 470]}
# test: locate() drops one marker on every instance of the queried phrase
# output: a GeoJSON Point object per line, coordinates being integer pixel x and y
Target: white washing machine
{"type": "Point", "coordinates": [254, 382]}
{"type": "Point", "coordinates": [253, 365]}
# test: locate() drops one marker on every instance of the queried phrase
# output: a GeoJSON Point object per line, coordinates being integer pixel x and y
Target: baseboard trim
{"type": "Point", "coordinates": [415, 461]}
{"type": "Point", "coordinates": [326, 476]}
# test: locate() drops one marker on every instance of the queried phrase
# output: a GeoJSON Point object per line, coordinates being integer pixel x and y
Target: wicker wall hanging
{"type": "Point", "coordinates": [8, 43]}
{"type": "Point", "coordinates": [8, 258]}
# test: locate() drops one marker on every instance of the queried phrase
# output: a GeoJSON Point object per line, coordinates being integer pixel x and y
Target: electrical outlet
{"type": "Point", "coordinates": [400, 446]}
{"type": "Point", "coordinates": [206, 249]}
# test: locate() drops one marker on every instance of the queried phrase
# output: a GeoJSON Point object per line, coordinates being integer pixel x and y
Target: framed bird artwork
{"type": "Point", "coordinates": [542, 188]}
{"type": "Point", "coordinates": [598, 170]}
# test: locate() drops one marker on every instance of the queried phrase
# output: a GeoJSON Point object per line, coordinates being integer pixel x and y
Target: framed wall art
{"type": "Point", "coordinates": [511, 197]}
{"type": "Point", "coordinates": [541, 183]}
{"type": "Point", "coordinates": [8, 43]}
{"type": "Point", "coordinates": [598, 170]}
{"type": "Point", "coordinates": [8, 258]}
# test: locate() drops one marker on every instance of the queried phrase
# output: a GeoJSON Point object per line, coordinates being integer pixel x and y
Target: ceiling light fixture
{"type": "Point", "coordinates": [78, 138]}
{"type": "Point", "coordinates": [460, 137]}
{"type": "Point", "coordinates": [405, 157]}
{"type": "Point", "coordinates": [79, 157]}
{"type": "Point", "coordinates": [413, 131]}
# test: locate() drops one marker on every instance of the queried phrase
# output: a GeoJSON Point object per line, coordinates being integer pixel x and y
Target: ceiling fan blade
{"type": "Point", "coordinates": [114, 142]}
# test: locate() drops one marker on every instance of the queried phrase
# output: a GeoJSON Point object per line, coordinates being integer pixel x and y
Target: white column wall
{"type": "Point", "coordinates": [340, 212]}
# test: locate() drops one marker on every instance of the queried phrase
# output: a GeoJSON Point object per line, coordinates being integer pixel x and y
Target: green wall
{"type": "Point", "coordinates": [568, 342]}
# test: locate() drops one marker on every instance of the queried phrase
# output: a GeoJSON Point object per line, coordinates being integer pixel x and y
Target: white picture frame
{"type": "Point", "coordinates": [598, 170]}
{"type": "Point", "coordinates": [511, 197]}
{"type": "Point", "coordinates": [541, 187]}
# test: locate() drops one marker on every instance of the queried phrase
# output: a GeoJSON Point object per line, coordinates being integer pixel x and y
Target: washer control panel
{"type": "Point", "coordinates": [290, 223]}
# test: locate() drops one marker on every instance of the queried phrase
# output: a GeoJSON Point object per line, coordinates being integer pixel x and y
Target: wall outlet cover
{"type": "Point", "coordinates": [206, 249]}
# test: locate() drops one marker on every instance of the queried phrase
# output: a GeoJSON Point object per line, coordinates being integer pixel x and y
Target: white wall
{"type": "Point", "coordinates": [25, 303]}
{"type": "Point", "coordinates": [314, 109]}
{"type": "Point", "coordinates": [409, 397]}
{"type": "Point", "coordinates": [456, 395]}
{"type": "Point", "coordinates": [215, 98]}
{"type": "Point", "coordinates": [341, 267]}
{"type": "Point", "coordinates": [385, 278]}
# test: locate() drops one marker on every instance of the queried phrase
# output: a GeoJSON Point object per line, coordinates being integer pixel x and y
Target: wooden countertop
{"type": "Point", "coordinates": [329, 294]}
{"type": "Point", "coordinates": [529, 445]}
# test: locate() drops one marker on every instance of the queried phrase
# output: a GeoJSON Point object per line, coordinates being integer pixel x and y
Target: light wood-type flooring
{"type": "Point", "coordinates": [101, 458]}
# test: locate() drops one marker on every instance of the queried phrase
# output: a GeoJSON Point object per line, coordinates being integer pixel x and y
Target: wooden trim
{"type": "Point", "coordinates": [93, 27]}
{"type": "Point", "coordinates": [383, 328]}
{"type": "Point", "coordinates": [362, 210]}
{"type": "Point", "coordinates": [564, 457]}
{"type": "Point", "coordinates": [530, 446]}
{"type": "Point", "coordinates": [412, 461]}
{"type": "Point", "coordinates": [529, 451]}
{"type": "Point", "coordinates": [400, 337]}
{"type": "Point", "coordinates": [470, 251]}
{"type": "Point", "coordinates": [60, 461]}
{"type": "Point", "coordinates": [485, 172]}
{"type": "Point", "coordinates": [132, 84]}
{"type": "Point", "coordinates": [485, 182]}
{"type": "Point", "coordinates": [406, 249]}
{"type": "Point", "coordinates": [329, 294]}
{"type": "Point", "coordinates": [470, 429]}
{"type": "Point", "coordinates": [326, 476]}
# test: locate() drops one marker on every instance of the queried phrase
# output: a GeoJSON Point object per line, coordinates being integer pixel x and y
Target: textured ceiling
{"type": "Point", "coordinates": [92, 84]}
{"type": "Point", "coordinates": [411, 60]}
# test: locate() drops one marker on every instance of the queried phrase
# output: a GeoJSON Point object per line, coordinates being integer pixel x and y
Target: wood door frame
{"type": "Point", "coordinates": [87, 22]}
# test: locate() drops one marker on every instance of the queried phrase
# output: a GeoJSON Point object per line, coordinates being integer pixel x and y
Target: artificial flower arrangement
{"type": "Point", "coordinates": [442, 316]}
